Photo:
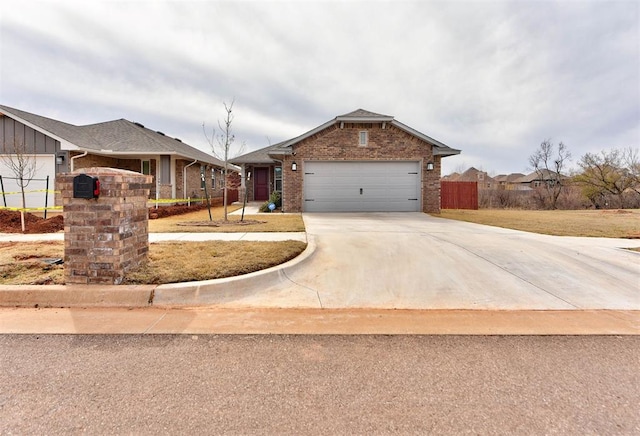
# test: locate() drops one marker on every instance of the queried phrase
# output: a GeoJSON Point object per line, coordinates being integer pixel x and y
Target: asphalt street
{"type": "Point", "coordinates": [290, 384]}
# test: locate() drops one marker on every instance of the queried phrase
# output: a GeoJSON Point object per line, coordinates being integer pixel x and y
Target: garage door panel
{"type": "Point", "coordinates": [362, 186]}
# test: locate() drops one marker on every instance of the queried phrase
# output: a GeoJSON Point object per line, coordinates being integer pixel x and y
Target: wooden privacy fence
{"type": "Point", "coordinates": [459, 195]}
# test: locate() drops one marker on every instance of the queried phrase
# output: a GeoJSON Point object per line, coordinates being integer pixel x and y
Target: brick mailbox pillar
{"type": "Point", "coordinates": [104, 237]}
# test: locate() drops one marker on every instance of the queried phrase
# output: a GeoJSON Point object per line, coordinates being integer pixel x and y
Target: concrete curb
{"type": "Point", "coordinates": [76, 296]}
{"type": "Point", "coordinates": [176, 294]}
{"type": "Point", "coordinates": [219, 291]}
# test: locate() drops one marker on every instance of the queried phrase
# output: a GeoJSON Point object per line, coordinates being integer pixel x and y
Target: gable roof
{"type": "Point", "coordinates": [542, 175]}
{"type": "Point", "coordinates": [363, 116]}
{"type": "Point", "coordinates": [473, 175]}
{"type": "Point", "coordinates": [116, 137]}
{"type": "Point", "coordinates": [62, 132]}
{"type": "Point", "coordinates": [359, 116]}
{"type": "Point", "coordinates": [267, 154]}
{"type": "Point", "coordinates": [260, 156]}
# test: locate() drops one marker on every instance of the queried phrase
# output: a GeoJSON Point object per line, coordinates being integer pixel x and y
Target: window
{"type": "Point", "coordinates": [203, 171]}
{"type": "Point", "coordinates": [146, 167]}
{"type": "Point", "coordinates": [278, 178]}
{"type": "Point", "coordinates": [363, 138]}
{"type": "Point", "coordinates": [165, 169]}
{"type": "Point", "coordinates": [221, 178]}
{"type": "Point", "coordinates": [213, 179]}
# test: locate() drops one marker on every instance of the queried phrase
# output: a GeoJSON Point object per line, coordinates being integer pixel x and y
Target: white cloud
{"type": "Point", "coordinates": [491, 78]}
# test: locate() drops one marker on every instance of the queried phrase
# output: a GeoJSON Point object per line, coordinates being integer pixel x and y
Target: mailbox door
{"type": "Point", "coordinates": [84, 186]}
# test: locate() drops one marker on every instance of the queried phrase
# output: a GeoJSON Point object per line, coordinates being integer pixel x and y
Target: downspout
{"type": "Point", "coordinates": [76, 157]}
{"type": "Point", "coordinates": [184, 178]}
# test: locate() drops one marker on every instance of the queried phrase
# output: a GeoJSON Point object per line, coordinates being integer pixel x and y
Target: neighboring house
{"type": "Point", "coordinates": [507, 181]}
{"type": "Point", "coordinates": [451, 177]}
{"type": "Point", "coordinates": [537, 179]}
{"type": "Point", "coordinates": [61, 147]}
{"type": "Point", "coordinates": [473, 175]}
{"type": "Point", "coordinates": [361, 161]}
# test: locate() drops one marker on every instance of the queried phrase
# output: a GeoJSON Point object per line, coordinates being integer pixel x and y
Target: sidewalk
{"type": "Point", "coordinates": [217, 320]}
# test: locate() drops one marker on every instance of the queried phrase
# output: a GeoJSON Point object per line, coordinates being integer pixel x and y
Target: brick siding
{"type": "Point", "coordinates": [342, 144]}
{"type": "Point", "coordinates": [108, 236]}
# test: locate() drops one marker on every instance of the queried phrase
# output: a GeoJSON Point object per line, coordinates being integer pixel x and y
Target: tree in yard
{"type": "Point", "coordinates": [548, 163]}
{"type": "Point", "coordinates": [23, 166]}
{"type": "Point", "coordinates": [221, 146]}
{"type": "Point", "coordinates": [610, 173]}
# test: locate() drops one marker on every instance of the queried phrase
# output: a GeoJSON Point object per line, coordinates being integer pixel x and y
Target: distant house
{"type": "Point", "coordinates": [537, 179]}
{"type": "Point", "coordinates": [60, 147]}
{"type": "Point", "coordinates": [357, 162]}
{"type": "Point", "coordinates": [473, 175]}
{"type": "Point", "coordinates": [507, 181]}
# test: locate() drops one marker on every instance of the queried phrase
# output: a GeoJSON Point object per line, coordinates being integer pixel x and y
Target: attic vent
{"type": "Point", "coordinates": [159, 133]}
{"type": "Point", "coordinates": [139, 125]}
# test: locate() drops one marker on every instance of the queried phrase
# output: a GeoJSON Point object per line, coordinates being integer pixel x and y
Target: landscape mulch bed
{"type": "Point", "coordinates": [10, 220]}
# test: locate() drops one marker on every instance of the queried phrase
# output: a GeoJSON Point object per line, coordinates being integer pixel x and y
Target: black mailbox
{"type": "Point", "coordinates": [85, 186]}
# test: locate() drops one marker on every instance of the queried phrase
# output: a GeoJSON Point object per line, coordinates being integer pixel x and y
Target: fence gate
{"type": "Point", "coordinates": [459, 195]}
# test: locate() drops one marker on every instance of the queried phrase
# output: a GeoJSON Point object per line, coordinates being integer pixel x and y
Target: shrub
{"type": "Point", "coordinates": [273, 198]}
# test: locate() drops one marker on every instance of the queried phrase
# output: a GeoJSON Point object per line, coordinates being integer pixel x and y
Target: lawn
{"type": "Point", "coordinates": [169, 262]}
{"type": "Point", "coordinates": [594, 223]}
{"type": "Point", "coordinates": [198, 222]}
{"type": "Point", "coordinates": [173, 262]}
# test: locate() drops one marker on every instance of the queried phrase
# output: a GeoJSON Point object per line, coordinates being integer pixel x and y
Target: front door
{"type": "Point", "coordinates": [261, 184]}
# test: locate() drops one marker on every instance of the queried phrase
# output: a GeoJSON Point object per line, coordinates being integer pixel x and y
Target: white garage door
{"type": "Point", "coordinates": [388, 186]}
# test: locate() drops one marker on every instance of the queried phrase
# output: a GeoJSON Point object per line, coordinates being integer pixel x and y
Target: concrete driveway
{"type": "Point", "coordinates": [415, 261]}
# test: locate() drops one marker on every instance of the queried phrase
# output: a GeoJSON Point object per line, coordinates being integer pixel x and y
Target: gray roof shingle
{"type": "Point", "coordinates": [113, 137]}
{"type": "Point", "coordinates": [260, 156]}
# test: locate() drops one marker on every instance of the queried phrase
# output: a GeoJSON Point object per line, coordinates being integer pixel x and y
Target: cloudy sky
{"type": "Point", "coordinates": [492, 78]}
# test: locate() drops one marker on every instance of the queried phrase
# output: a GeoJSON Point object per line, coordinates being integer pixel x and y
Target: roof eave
{"type": "Point", "coordinates": [103, 152]}
{"type": "Point", "coordinates": [308, 134]}
{"type": "Point", "coordinates": [444, 152]}
{"type": "Point", "coordinates": [440, 149]}
{"type": "Point", "coordinates": [280, 152]}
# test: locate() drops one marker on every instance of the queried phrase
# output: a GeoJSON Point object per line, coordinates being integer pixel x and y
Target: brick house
{"type": "Point", "coordinates": [60, 147]}
{"type": "Point", "coordinates": [507, 181]}
{"type": "Point", "coordinates": [361, 161]}
{"type": "Point", "coordinates": [473, 175]}
{"type": "Point", "coordinates": [538, 179]}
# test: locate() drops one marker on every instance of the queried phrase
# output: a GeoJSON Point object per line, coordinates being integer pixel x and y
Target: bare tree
{"type": "Point", "coordinates": [23, 166]}
{"type": "Point", "coordinates": [221, 146]}
{"type": "Point", "coordinates": [549, 165]}
{"type": "Point", "coordinates": [610, 173]}
{"type": "Point", "coordinates": [631, 161]}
